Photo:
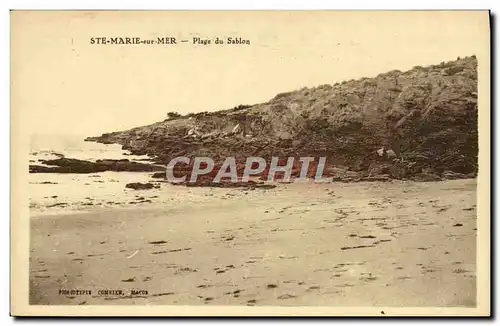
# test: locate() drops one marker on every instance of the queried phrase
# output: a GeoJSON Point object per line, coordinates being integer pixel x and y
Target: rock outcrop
{"type": "Point", "coordinates": [71, 165]}
{"type": "Point", "coordinates": [424, 118]}
{"type": "Point", "coordinates": [140, 186]}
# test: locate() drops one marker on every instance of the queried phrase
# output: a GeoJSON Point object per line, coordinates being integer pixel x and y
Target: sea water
{"type": "Point", "coordinates": [45, 147]}
{"type": "Point", "coordinates": [68, 192]}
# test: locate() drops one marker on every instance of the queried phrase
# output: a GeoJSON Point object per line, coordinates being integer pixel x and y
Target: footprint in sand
{"type": "Point", "coordinates": [345, 285]}
{"type": "Point", "coordinates": [367, 277]}
{"type": "Point", "coordinates": [167, 251]}
{"type": "Point", "coordinates": [185, 270]}
{"type": "Point", "coordinates": [157, 242]}
{"type": "Point", "coordinates": [356, 247]}
{"type": "Point", "coordinates": [460, 271]}
{"type": "Point", "coordinates": [228, 238]}
{"type": "Point", "coordinates": [203, 286]}
{"type": "Point", "coordinates": [286, 296]}
{"type": "Point", "coordinates": [235, 293]}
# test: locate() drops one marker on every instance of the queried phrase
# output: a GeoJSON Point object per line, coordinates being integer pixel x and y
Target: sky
{"type": "Point", "coordinates": [63, 84]}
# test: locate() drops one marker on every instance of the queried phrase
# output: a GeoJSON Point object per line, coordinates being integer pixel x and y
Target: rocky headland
{"type": "Point", "coordinates": [420, 124]}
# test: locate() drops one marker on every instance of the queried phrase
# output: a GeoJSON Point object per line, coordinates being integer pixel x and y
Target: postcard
{"type": "Point", "coordinates": [250, 163]}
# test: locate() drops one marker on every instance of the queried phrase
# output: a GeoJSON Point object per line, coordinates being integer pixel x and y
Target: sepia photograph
{"type": "Point", "coordinates": [250, 163]}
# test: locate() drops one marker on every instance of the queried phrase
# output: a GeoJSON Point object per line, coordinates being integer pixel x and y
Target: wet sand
{"type": "Point", "coordinates": [356, 244]}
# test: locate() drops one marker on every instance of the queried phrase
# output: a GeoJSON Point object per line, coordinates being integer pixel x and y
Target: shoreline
{"type": "Point", "coordinates": [63, 200]}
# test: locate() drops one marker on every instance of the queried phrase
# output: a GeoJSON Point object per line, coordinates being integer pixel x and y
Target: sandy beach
{"type": "Point", "coordinates": [398, 243]}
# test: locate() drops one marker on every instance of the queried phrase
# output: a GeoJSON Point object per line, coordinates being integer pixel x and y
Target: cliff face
{"type": "Point", "coordinates": [427, 116]}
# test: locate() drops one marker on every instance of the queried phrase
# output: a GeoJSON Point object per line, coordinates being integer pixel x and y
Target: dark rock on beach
{"type": "Point", "coordinates": [140, 186]}
{"type": "Point", "coordinates": [159, 175]}
{"type": "Point", "coordinates": [126, 165]}
{"type": "Point", "coordinates": [70, 165]}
